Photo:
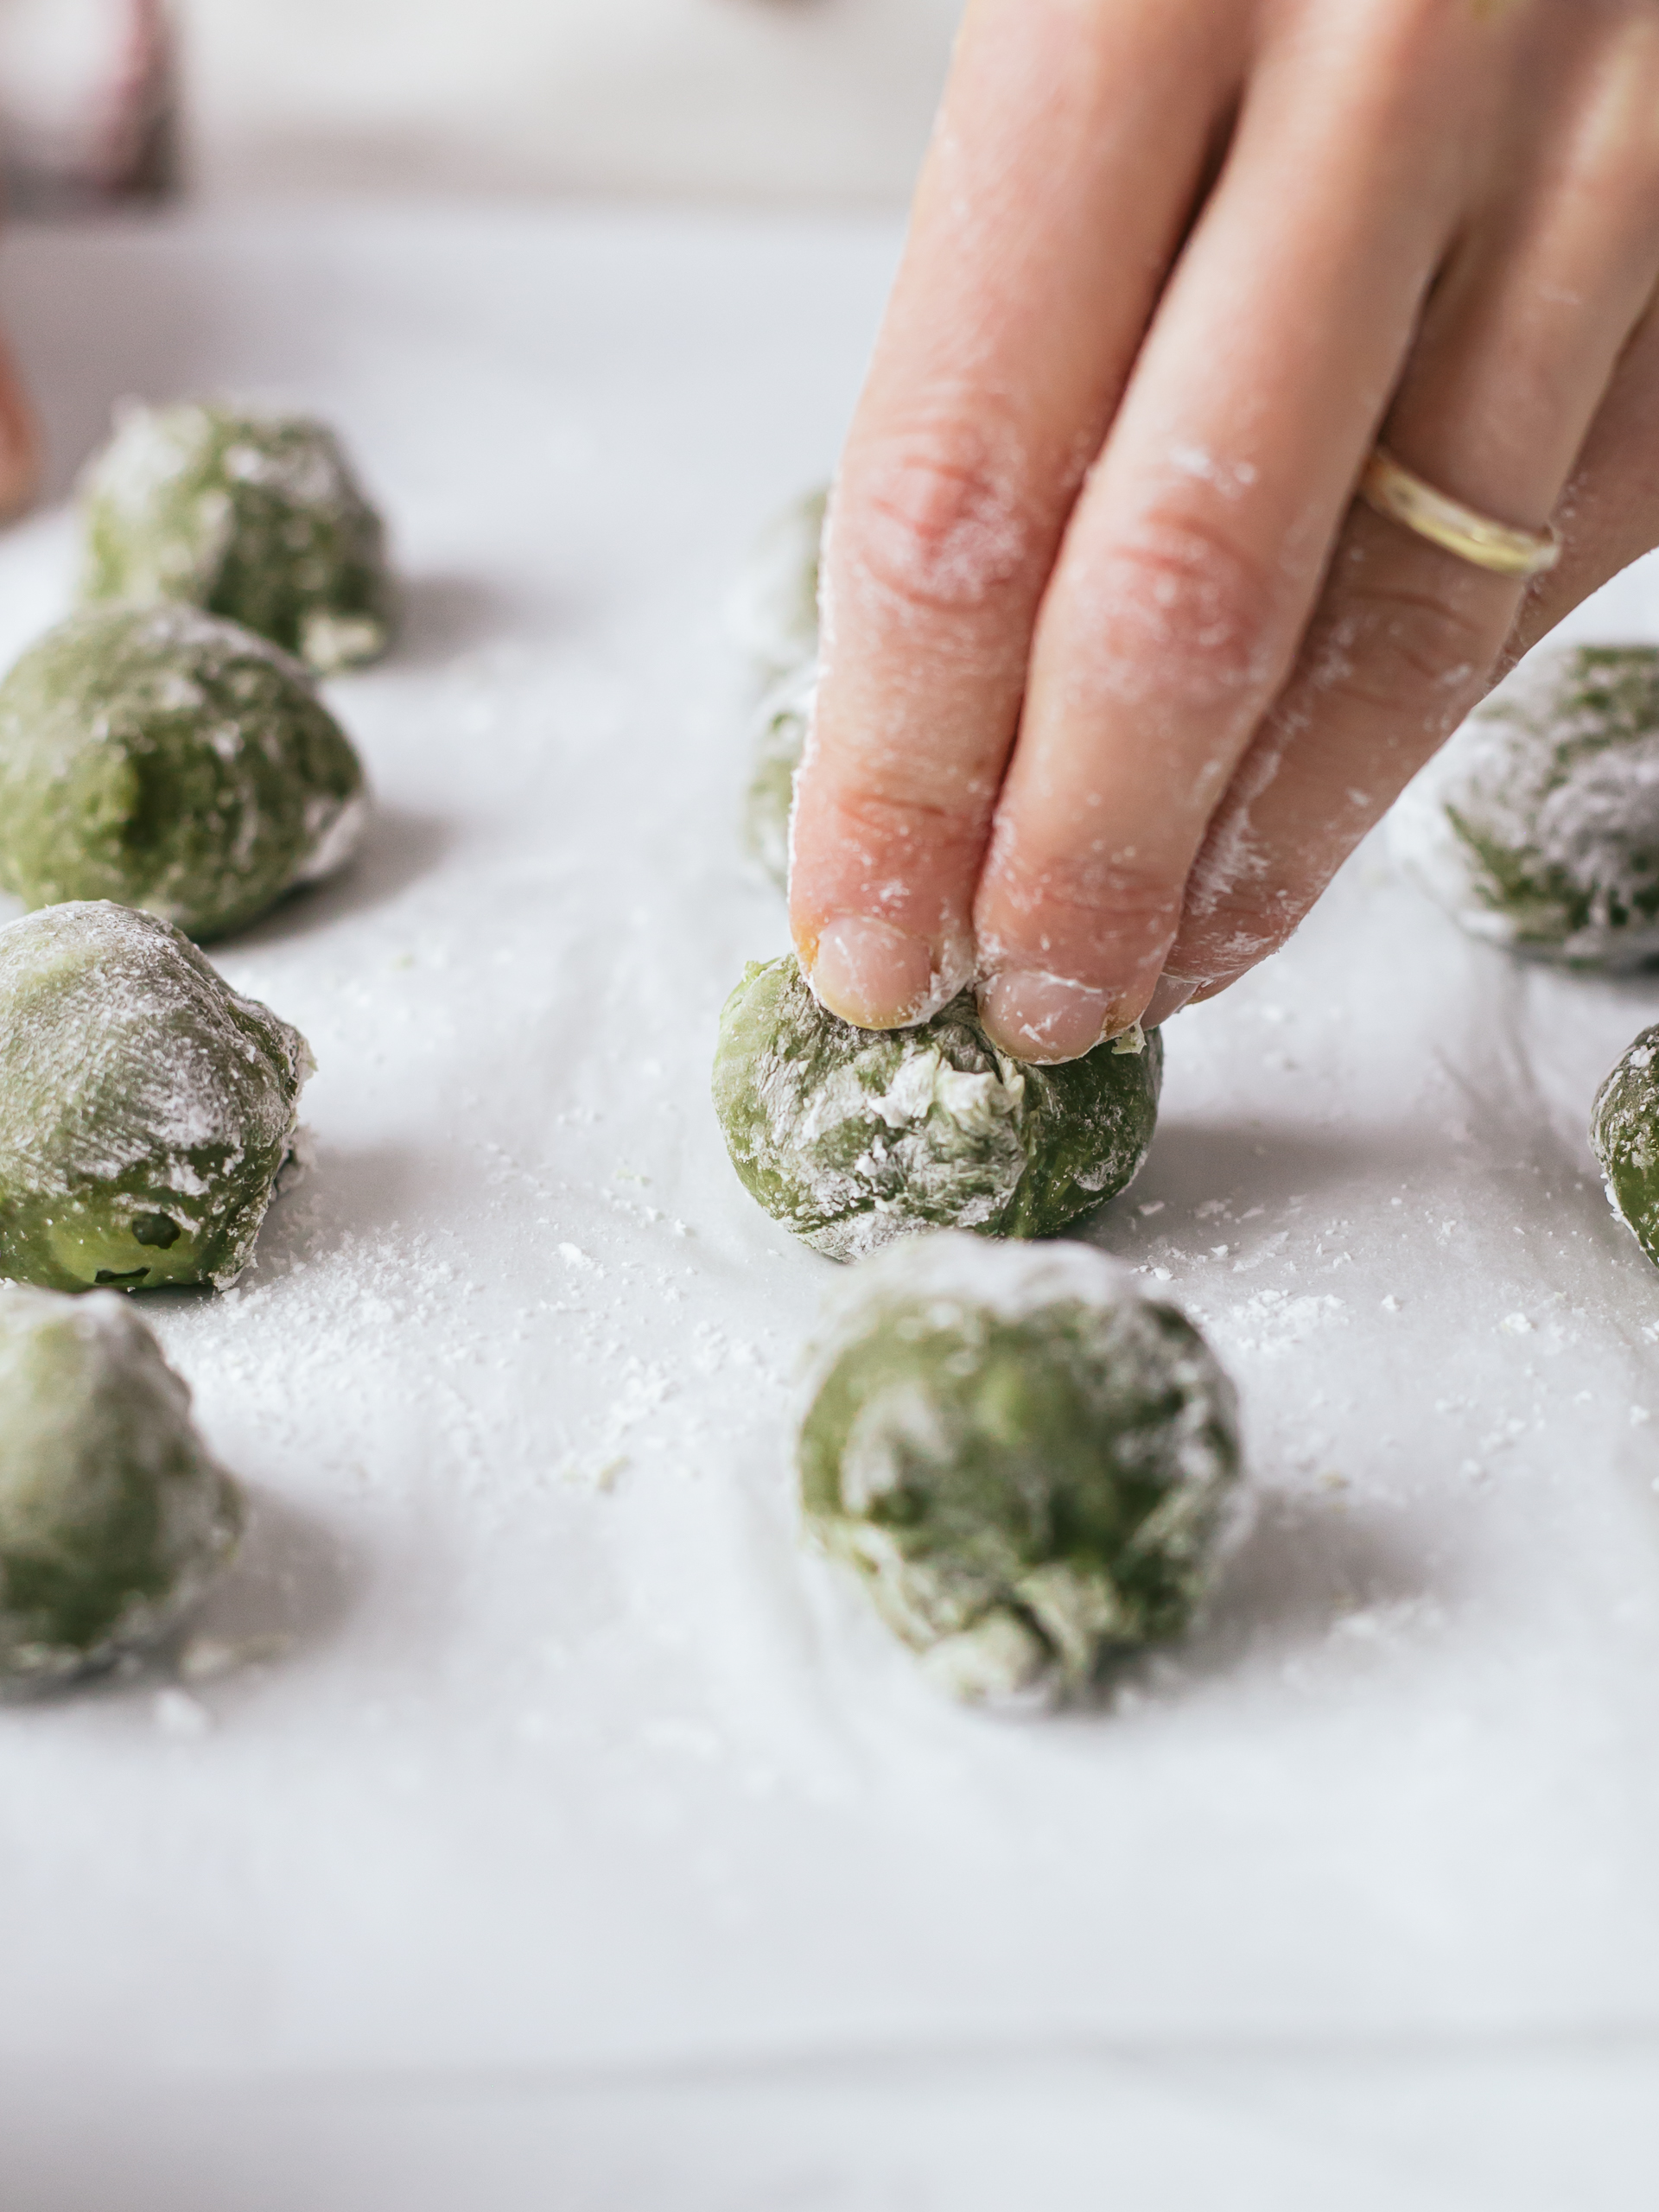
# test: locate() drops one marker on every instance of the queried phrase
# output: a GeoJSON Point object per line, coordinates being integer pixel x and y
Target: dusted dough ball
{"type": "Point", "coordinates": [774, 615]}
{"type": "Point", "coordinates": [1537, 827]}
{"type": "Point", "coordinates": [1624, 1134]}
{"type": "Point", "coordinates": [852, 1137]}
{"type": "Point", "coordinates": [1025, 1458]}
{"type": "Point", "coordinates": [113, 1519]}
{"type": "Point", "coordinates": [781, 723]}
{"type": "Point", "coordinates": [145, 1109]}
{"type": "Point", "coordinates": [165, 758]}
{"type": "Point", "coordinates": [256, 518]}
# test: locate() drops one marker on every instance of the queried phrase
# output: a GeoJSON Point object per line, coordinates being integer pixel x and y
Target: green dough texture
{"type": "Point", "coordinates": [145, 1109]}
{"type": "Point", "coordinates": [1025, 1459]}
{"type": "Point", "coordinates": [168, 760]}
{"type": "Point", "coordinates": [113, 1518]}
{"type": "Point", "coordinates": [1624, 1134]}
{"type": "Point", "coordinates": [1537, 827]}
{"type": "Point", "coordinates": [256, 518]}
{"type": "Point", "coordinates": [852, 1137]}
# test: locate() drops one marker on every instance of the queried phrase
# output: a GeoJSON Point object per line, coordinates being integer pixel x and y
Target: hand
{"type": "Point", "coordinates": [1116, 671]}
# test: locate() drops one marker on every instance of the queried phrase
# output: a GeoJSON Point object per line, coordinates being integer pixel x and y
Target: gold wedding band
{"type": "Point", "coordinates": [1393, 491]}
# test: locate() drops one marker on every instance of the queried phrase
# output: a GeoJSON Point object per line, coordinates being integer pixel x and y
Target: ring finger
{"type": "Point", "coordinates": [1195, 559]}
{"type": "Point", "coordinates": [1518, 349]}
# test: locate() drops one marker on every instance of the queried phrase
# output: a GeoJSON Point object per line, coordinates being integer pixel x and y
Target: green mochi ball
{"type": "Point", "coordinates": [781, 724]}
{"type": "Point", "coordinates": [168, 760]}
{"type": "Point", "coordinates": [256, 518]}
{"type": "Point", "coordinates": [852, 1137]}
{"type": "Point", "coordinates": [1537, 826]}
{"type": "Point", "coordinates": [1624, 1135]}
{"type": "Point", "coordinates": [774, 615]}
{"type": "Point", "coordinates": [113, 1518]}
{"type": "Point", "coordinates": [145, 1109]}
{"type": "Point", "coordinates": [1025, 1458]}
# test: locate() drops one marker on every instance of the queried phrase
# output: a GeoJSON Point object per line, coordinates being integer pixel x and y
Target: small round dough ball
{"type": "Point", "coordinates": [781, 724]}
{"type": "Point", "coordinates": [1537, 826]}
{"type": "Point", "coordinates": [170, 761]}
{"type": "Point", "coordinates": [852, 1137]}
{"type": "Point", "coordinates": [1624, 1135]}
{"type": "Point", "coordinates": [145, 1109]}
{"type": "Point", "coordinates": [256, 517]}
{"type": "Point", "coordinates": [774, 616]}
{"type": "Point", "coordinates": [1025, 1459]}
{"type": "Point", "coordinates": [113, 1518]}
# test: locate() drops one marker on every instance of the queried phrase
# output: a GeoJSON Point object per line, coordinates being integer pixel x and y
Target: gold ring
{"type": "Point", "coordinates": [1392, 489]}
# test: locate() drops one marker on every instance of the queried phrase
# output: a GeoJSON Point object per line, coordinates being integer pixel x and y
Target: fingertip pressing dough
{"type": "Point", "coordinates": [146, 1109]}
{"type": "Point", "coordinates": [168, 759]}
{"type": "Point", "coordinates": [1025, 1459]}
{"type": "Point", "coordinates": [853, 1137]}
{"type": "Point", "coordinates": [1537, 825]}
{"type": "Point", "coordinates": [114, 1518]}
{"type": "Point", "coordinates": [256, 517]}
{"type": "Point", "coordinates": [1624, 1135]}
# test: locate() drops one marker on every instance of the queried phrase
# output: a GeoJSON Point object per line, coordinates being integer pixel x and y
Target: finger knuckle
{"type": "Point", "coordinates": [1192, 613]}
{"type": "Point", "coordinates": [1612, 159]}
{"type": "Point", "coordinates": [869, 775]}
{"type": "Point", "coordinates": [939, 517]}
{"type": "Point", "coordinates": [867, 841]}
{"type": "Point", "coordinates": [1091, 904]}
{"type": "Point", "coordinates": [894, 817]}
{"type": "Point", "coordinates": [1403, 653]}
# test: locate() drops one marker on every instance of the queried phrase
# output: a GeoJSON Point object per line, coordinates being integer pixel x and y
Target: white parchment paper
{"type": "Point", "coordinates": [549, 1750]}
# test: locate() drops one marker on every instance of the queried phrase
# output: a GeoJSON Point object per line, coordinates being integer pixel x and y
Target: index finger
{"type": "Point", "coordinates": [1049, 210]}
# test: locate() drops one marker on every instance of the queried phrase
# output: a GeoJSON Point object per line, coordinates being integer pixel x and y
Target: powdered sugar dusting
{"type": "Point", "coordinates": [126, 1063]}
{"type": "Point", "coordinates": [1538, 824]}
{"type": "Point", "coordinates": [570, 1764]}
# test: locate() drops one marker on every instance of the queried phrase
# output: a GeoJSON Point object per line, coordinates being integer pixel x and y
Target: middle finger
{"type": "Point", "coordinates": [1194, 558]}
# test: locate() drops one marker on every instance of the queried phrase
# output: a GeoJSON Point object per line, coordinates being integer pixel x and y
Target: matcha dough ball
{"type": "Point", "coordinates": [1624, 1135]}
{"type": "Point", "coordinates": [852, 1137]}
{"type": "Point", "coordinates": [165, 758]}
{"type": "Point", "coordinates": [780, 741]}
{"type": "Point", "coordinates": [774, 615]}
{"type": "Point", "coordinates": [145, 1109]}
{"type": "Point", "coordinates": [1537, 827]}
{"type": "Point", "coordinates": [113, 1519]}
{"type": "Point", "coordinates": [257, 517]}
{"type": "Point", "coordinates": [1025, 1458]}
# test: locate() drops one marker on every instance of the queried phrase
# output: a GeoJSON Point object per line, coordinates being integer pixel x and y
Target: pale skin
{"type": "Point", "coordinates": [1117, 671]}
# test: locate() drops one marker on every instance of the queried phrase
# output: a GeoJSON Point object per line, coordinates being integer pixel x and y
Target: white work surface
{"type": "Point", "coordinates": [576, 1841]}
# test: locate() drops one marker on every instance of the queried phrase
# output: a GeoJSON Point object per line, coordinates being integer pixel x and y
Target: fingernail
{"type": "Point", "coordinates": [1170, 996]}
{"type": "Point", "coordinates": [1033, 1016]}
{"type": "Point", "coordinates": [871, 974]}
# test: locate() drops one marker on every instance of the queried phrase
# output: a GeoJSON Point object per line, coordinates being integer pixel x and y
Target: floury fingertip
{"type": "Point", "coordinates": [879, 976]}
{"type": "Point", "coordinates": [1031, 1015]}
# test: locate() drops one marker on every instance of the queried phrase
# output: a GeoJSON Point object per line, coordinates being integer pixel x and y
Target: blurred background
{"type": "Point", "coordinates": [796, 102]}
